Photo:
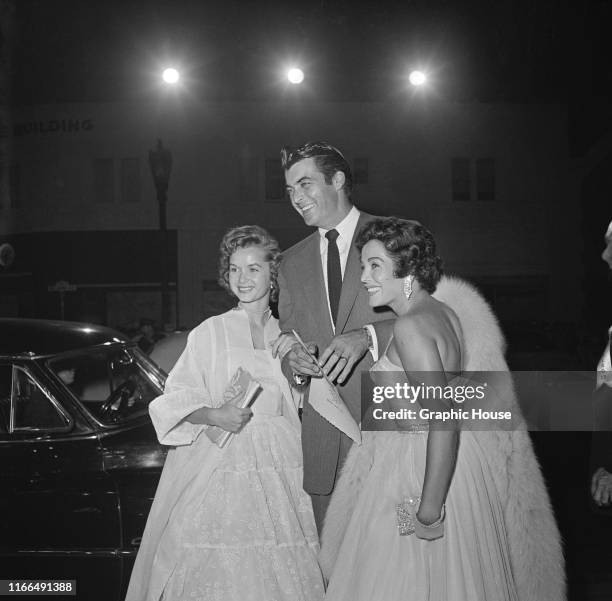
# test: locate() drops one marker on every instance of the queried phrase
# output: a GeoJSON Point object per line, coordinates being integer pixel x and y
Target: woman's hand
{"type": "Point", "coordinates": [230, 418]}
{"type": "Point", "coordinates": [428, 515]}
{"type": "Point", "coordinates": [429, 523]}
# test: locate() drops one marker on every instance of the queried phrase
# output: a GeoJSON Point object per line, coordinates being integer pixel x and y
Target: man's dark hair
{"type": "Point", "coordinates": [327, 158]}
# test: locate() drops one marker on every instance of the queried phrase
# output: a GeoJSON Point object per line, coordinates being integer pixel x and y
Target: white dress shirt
{"type": "Point", "coordinates": [346, 230]}
{"type": "Point", "coordinates": [604, 367]}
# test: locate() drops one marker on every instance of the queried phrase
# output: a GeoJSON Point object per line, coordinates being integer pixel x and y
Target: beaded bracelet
{"type": "Point", "coordinates": [430, 531]}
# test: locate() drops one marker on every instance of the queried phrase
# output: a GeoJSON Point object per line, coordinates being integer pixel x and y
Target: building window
{"type": "Point", "coordinates": [15, 185]}
{"type": "Point", "coordinates": [275, 180]}
{"type": "Point", "coordinates": [485, 179]}
{"type": "Point", "coordinates": [130, 180]}
{"type": "Point", "coordinates": [460, 176]}
{"type": "Point", "coordinates": [360, 170]}
{"type": "Point", "coordinates": [104, 181]}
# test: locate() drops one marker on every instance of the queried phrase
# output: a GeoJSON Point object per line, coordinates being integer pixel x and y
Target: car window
{"type": "Point", "coordinates": [32, 407]}
{"type": "Point", "coordinates": [5, 397]}
{"type": "Point", "coordinates": [113, 384]}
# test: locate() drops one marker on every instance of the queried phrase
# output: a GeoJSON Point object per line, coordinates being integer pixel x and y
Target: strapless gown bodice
{"type": "Point", "coordinates": [386, 373]}
{"type": "Point", "coordinates": [269, 402]}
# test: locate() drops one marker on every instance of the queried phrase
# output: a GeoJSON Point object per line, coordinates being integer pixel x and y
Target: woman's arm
{"type": "Point", "coordinates": [186, 391]}
{"type": "Point", "coordinates": [383, 331]}
{"type": "Point", "coordinates": [228, 417]}
{"type": "Point", "coordinates": [421, 361]}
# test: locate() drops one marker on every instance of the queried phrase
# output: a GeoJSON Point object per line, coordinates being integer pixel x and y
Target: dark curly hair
{"type": "Point", "coordinates": [411, 246]}
{"type": "Point", "coordinates": [328, 159]}
{"type": "Point", "coordinates": [244, 236]}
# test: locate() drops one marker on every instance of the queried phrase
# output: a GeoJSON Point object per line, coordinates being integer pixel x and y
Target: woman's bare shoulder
{"type": "Point", "coordinates": [433, 320]}
{"type": "Point", "coordinates": [421, 321]}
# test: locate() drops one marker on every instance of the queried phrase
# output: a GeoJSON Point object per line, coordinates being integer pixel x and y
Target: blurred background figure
{"type": "Point", "coordinates": [601, 479]}
{"type": "Point", "coordinates": [67, 376]}
{"type": "Point", "coordinates": [147, 336]}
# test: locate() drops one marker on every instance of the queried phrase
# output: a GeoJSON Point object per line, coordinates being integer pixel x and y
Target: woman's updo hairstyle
{"type": "Point", "coordinates": [411, 246]}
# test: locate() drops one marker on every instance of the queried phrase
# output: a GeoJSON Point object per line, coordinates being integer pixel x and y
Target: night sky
{"type": "Point", "coordinates": [543, 51]}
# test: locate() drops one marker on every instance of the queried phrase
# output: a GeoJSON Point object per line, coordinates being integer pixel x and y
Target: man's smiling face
{"type": "Point", "coordinates": [316, 201]}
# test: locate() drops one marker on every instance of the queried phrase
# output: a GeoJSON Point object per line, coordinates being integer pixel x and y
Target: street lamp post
{"type": "Point", "coordinates": [160, 161]}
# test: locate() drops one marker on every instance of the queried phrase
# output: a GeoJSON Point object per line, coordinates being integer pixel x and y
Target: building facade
{"type": "Point", "coordinates": [493, 182]}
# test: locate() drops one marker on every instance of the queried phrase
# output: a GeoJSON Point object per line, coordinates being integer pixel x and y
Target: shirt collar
{"type": "Point", "coordinates": [346, 228]}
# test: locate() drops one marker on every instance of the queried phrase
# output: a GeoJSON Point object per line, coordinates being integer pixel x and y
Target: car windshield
{"type": "Point", "coordinates": [113, 384]}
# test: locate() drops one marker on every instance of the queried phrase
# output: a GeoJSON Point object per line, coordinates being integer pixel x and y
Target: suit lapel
{"type": "Point", "coordinates": [351, 282]}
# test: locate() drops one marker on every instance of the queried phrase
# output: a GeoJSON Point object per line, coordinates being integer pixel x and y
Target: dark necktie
{"type": "Point", "coordinates": [334, 273]}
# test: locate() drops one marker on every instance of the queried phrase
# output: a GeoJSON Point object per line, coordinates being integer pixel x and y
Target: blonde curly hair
{"type": "Point", "coordinates": [244, 236]}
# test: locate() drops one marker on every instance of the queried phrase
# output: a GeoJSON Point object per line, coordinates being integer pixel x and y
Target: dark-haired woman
{"type": "Point", "coordinates": [231, 523]}
{"type": "Point", "coordinates": [431, 512]}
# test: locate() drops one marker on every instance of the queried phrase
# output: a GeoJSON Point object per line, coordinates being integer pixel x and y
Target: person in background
{"type": "Point", "coordinates": [601, 479]}
{"type": "Point", "coordinates": [147, 337]}
{"type": "Point", "coordinates": [67, 375]}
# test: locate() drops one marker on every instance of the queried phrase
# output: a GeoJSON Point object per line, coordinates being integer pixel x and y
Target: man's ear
{"type": "Point", "coordinates": [338, 180]}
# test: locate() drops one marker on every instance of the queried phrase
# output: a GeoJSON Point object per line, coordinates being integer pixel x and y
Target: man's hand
{"type": "Point", "coordinates": [300, 362]}
{"type": "Point", "coordinates": [343, 352]}
{"type": "Point", "coordinates": [601, 487]}
{"type": "Point", "coordinates": [282, 345]}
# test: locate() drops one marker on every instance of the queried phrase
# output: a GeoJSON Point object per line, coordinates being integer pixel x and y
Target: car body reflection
{"type": "Point", "coordinates": [79, 459]}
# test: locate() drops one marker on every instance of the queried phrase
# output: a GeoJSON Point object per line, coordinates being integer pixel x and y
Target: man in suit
{"type": "Point", "coordinates": [601, 480]}
{"type": "Point", "coordinates": [321, 297]}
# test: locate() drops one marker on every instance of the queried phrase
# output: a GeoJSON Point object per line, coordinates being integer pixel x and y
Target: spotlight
{"type": "Point", "coordinates": [295, 75]}
{"type": "Point", "coordinates": [170, 75]}
{"type": "Point", "coordinates": [417, 78]}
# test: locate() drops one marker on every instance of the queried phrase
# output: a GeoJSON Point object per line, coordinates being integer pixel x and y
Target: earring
{"type": "Point", "coordinates": [408, 286]}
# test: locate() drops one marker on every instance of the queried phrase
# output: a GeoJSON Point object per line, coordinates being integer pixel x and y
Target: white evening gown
{"type": "Point", "coordinates": [469, 563]}
{"type": "Point", "coordinates": [229, 524]}
{"type": "Point", "coordinates": [251, 537]}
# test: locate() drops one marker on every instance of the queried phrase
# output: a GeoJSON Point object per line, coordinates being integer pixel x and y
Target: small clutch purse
{"type": "Point", "coordinates": [406, 515]}
{"type": "Point", "coordinates": [408, 523]}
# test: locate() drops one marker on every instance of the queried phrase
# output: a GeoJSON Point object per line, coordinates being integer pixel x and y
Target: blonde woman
{"type": "Point", "coordinates": [231, 523]}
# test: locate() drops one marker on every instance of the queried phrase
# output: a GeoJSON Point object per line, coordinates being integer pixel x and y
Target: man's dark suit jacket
{"type": "Point", "coordinates": [303, 306]}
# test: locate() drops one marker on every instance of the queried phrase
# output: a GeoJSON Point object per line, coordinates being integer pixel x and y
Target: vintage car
{"type": "Point", "coordinates": [79, 459]}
